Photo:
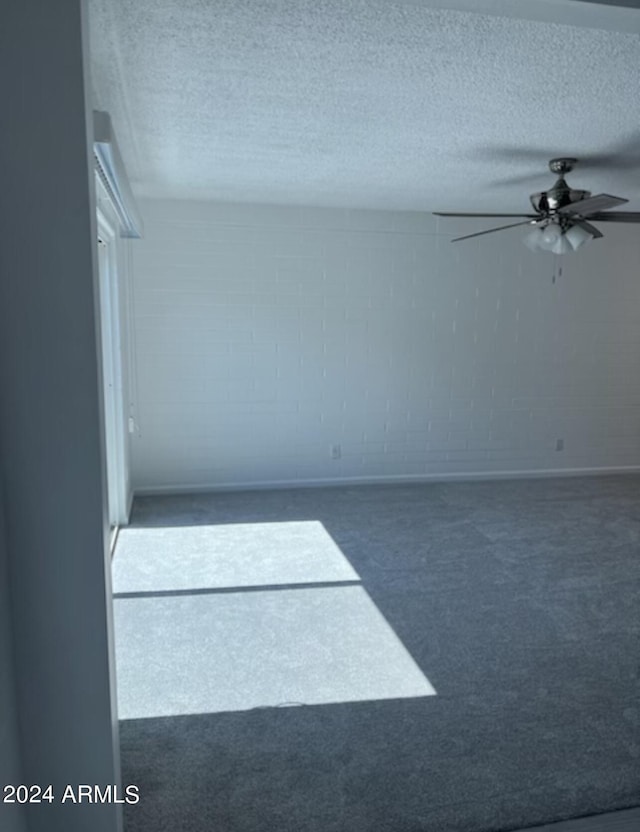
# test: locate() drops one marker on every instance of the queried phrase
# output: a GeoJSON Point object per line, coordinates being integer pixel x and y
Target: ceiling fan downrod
{"type": "Point", "coordinates": [561, 194]}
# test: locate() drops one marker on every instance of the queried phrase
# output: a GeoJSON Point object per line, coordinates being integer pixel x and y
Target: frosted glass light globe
{"type": "Point", "coordinates": [533, 240]}
{"type": "Point", "coordinates": [577, 236]}
{"type": "Point", "coordinates": [551, 234]}
{"type": "Point", "coordinates": [562, 246]}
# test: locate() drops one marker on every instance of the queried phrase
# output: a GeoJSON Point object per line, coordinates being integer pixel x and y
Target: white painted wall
{"type": "Point", "coordinates": [265, 335]}
{"type": "Point", "coordinates": [51, 450]}
{"type": "Point", "coordinates": [12, 815]}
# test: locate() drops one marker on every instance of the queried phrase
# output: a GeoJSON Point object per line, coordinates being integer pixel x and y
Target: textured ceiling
{"type": "Point", "coordinates": [364, 103]}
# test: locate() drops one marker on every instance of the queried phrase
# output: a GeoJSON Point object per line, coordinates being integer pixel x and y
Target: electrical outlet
{"type": "Point", "coordinates": [559, 444]}
{"type": "Point", "coordinates": [335, 451]}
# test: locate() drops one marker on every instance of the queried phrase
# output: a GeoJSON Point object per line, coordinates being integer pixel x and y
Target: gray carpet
{"type": "Point", "coordinates": [518, 601]}
{"type": "Point", "coordinates": [626, 820]}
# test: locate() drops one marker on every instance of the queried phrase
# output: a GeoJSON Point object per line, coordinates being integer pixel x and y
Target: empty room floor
{"type": "Point", "coordinates": [452, 657]}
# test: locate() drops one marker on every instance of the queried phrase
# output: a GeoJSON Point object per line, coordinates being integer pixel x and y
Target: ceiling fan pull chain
{"type": "Point", "coordinates": [557, 268]}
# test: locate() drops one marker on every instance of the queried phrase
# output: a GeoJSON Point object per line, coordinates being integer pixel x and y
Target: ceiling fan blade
{"type": "Point", "coordinates": [491, 230]}
{"type": "Point", "coordinates": [591, 229]}
{"type": "Point", "coordinates": [531, 155]}
{"type": "Point", "coordinates": [624, 155]}
{"type": "Point", "coordinates": [616, 216]}
{"type": "Point", "coordinates": [442, 214]}
{"type": "Point", "coordinates": [526, 179]}
{"type": "Point", "coordinates": [585, 207]}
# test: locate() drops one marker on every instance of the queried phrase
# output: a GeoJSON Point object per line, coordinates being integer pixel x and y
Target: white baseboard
{"type": "Point", "coordinates": [397, 479]}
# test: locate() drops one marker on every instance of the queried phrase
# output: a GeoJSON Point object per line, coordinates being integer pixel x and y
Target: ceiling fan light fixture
{"type": "Point", "coordinates": [551, 238]}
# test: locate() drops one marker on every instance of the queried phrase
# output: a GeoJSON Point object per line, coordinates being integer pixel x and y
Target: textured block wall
{"type": "Point", "coordinates": [266, 336]}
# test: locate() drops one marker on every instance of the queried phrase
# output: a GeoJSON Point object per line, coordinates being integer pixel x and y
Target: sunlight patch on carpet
{"type": "Point", "coordinates": [233, 555]}
{"type": "Point", "coordinates": [208, 653]}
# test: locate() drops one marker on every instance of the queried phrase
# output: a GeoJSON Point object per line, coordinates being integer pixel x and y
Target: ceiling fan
{"type": "Point", "coordinates": [562, 219]}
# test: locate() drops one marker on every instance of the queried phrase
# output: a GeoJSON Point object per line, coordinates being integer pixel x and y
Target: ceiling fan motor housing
{"type": "Point", "coordinates": [547, 202]}
{"type": "Point", "coordinates": [563, 165]}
